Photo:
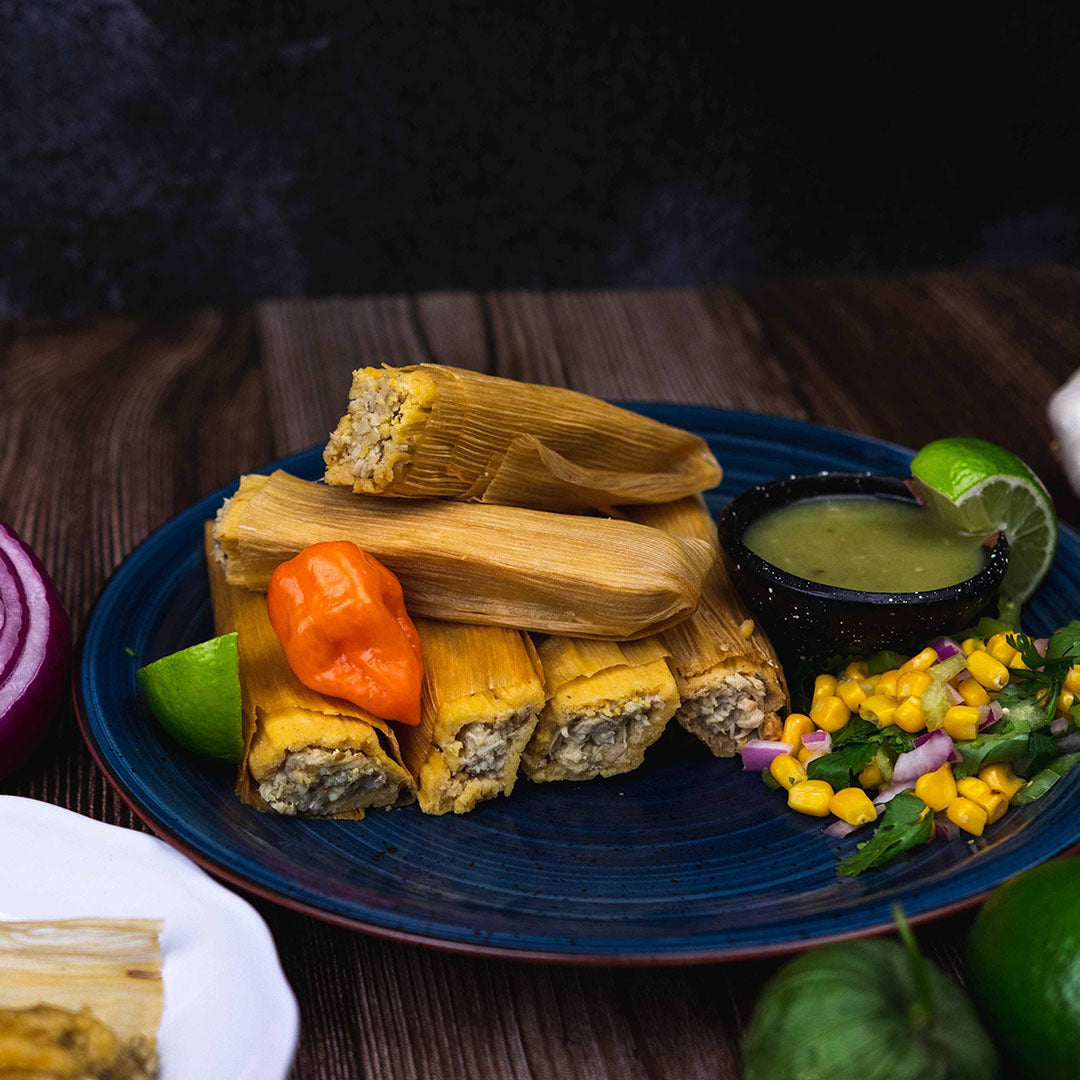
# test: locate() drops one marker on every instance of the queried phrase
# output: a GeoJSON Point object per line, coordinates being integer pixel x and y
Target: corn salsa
{"type": "Point", "coordinates": [866, 543]}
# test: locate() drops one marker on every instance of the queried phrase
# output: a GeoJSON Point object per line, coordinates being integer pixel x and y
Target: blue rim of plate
{"type": "Point", "coordinates": [687, 860]}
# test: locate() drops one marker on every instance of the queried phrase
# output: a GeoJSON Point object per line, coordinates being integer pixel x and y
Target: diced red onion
{"type": "Point", "coordinates": [757, 754]}
{"type": "Point", "coordinates": [1059, 725]}
{"type": "Point", "coordinates": [1069, 744]}
{"type": "Point", "coordinates": [886, 794]}
{"type": "Point", "coordinates": [989, 714]}
{"type": "Point", "coordinates": [1041, 644]}
{"type": "Point", "coordinates": [958, 698]}
{"type": "Point", "coordinates": [945, 647]}
{"type": "Point", "coordinates": [818, 741]}
{"type": "Point", "coordinates": [945, 830]}
{"type": "Point", "coordinates": [35, 649]}
{"type": "Point", "coordinates": [931, 752]}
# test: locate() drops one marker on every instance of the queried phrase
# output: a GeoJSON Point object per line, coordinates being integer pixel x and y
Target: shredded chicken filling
{"type": "Point", "coordinates": [600, 738]}
{"type": "Point", "coordinates": [730, 714]}
{"type": "Point", "coordinates": [368, 445]}
{"type": "Point", "coordinates": [483, 749]}
{"type": "Point", "coordinates": [318, 781]}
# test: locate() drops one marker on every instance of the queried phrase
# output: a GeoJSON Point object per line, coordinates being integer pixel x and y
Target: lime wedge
{"type": "Point", "coordinates": [979, 488]}
{"type": "Point", "coordinates": [195, 694]}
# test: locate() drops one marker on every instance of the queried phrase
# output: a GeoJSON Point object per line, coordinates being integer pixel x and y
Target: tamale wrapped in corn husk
{"type": "Point", "coordinates": [468, 563]}
{"type": "Point", "coordinates": [432, 431]}
{"type": "Point", "coordinates": [80, 994]}
{"type": "Point", "coordinates": [730, 680]}
{"type": "Point", "coordinates": [482, 694]}
{"type": "Point", "coordinates": [607, 703]}
{"type": "Point", "coordinates": [304, 753]}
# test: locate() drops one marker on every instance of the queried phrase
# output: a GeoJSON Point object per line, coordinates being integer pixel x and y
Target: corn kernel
{"type": "Point", "coordinates": [880, 708]}
{"type": "Point", "coordinates": [807, 754]}
{"type": "Point", "coordinates": [786, 771]}
{"type": "Point", "coordinates": [969, 645]}
{"type": "Point", "coordinates": [1065, 702]}
{"type": "Point", "coordinates": [973, 788]}
{"type": "Point", "coordinates": [1001, 778]}
{"type": "Point", "coordinates": [987, 671]}
{"type": "Point", "coordinates": [824, 687]}
{"type": "Point", "coordinates": [872, 776]}
{"type": "Point", "coordinates": [1000, 649]}
{"type": "Point", "coordinates": [921, 660]}
{"type": "Point", "coordinates": [811, 797]}
{"type": "Point", "coordinates": [909, 715]}
{"type": "Point", "coordinates": [912, 683]}
{"type": "Point", "coordinates": [938, 788]}
{"type": "Point", "coordinates": [795, 727]}
{"type": "Point", "coordinates": [853, 805]}
{"type": "Point", "coordinates": [973, 693]}
{"type": "Point", "coordinates": [886, 683]}
{"type": "Point", "coordinates": [1018, 662]}
{"type": "Point", "coordinates": [967, 815]}
{"type": "Point", "coordinates": [995, 804]}
{"type": "Point", "coordinates": [962, 722]}
{"type": "Point", "coordinates": [831, 714]}
{"type": "Point", "coordinates": [857, 669]}
{"type": "Point", "coordinates": [851, 694]}
{"type": "Point", "coordinates": [1072, 680]}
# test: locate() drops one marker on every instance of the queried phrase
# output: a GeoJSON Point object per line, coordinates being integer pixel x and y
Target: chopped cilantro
{"type": "Point", "coordinates": [902, 828]}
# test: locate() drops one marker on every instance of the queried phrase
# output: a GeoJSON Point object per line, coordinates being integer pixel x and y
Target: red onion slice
{"type": "Point", "coordinates": [35, 649]}
{"type": "Point", "coordinates": [932, 750]}
{"type": "Point", "coordinates": [945, 829]}
{"type": "Point", "coordinates": [757, 754]}
{"type": "Point", "coordinates": [1059, 725]}
{"type": "Point", "coordinates": [945, 647]}
{"type": "Point", "coordinates": [887, 794]}
{"type": "Point", "coordinates": [818, 741]}
{"type": "Point", "coordinates": [1069, 744]}
{"type": "Point", "coordinates": [989, 715]}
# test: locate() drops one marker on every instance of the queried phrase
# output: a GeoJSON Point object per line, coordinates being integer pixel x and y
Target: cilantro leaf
{"type": "Point", "coordinates": [840, 768]}
{"type": "Point", "coordinates": [854, 746]}
{"type": "Point", "coordinates": [1028, 751]}
{"type": "Point", "coordinates": [899, 830]}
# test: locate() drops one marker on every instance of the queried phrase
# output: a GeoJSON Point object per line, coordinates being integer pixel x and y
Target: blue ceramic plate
{"type": "Point", "coordinates": [686, 860]}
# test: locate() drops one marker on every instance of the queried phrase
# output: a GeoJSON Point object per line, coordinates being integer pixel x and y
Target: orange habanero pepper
{"type": "Point", "coordinates": [341, 619]}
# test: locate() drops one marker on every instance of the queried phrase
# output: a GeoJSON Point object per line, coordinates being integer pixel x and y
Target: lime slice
{"type": "Point", "coordinates": [195, 694]}
{"type": "Point", "coordinates": [979, 488]}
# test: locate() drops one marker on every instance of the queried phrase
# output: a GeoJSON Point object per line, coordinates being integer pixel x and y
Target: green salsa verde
{"type": "Point", "coordinates": [866, 543]}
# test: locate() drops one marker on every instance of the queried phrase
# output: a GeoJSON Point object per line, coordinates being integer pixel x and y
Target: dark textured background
{"type": "Point", "coordinates": [160, 153]}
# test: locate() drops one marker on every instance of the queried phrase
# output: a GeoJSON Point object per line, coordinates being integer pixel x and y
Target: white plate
{"type": "Point", "coordinates": [229, 1013]}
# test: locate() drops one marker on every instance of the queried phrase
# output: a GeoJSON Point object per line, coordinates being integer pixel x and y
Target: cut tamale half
{"type": "Point", "coordinates": [482, 694]}
{"type": "Point", "coordinates": [730, 680]}
{"type": "Point", "coordinates": [80, 994]}
{"type": "Point", "coordinates": [304, 753]}
{"type": "Point", "coordinates": [432, 431]}
{"type": "Point", "coordinates": [607, 703]}
{"type": "Point", "coordinates": [469, 563]}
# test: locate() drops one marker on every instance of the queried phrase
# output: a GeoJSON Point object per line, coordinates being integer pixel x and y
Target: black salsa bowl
{"type": "Point", "coordinates": [810, 621]}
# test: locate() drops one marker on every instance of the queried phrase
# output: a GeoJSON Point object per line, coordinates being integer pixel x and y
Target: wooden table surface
{"type": "Point", "coordinates": [108, 429]}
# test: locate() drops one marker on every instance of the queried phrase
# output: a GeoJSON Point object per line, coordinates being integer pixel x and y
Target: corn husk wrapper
{"type": "Point", "coordinates": [458, 434]}
{"type": "Point", "coordinates": [719, 651]}
{"type": "Point", "coordinates": [481, 697]}
{"type": "Point", "coordinates": [111, 966]}
{"type": "Point", "coordinates": [282, 716]}
{"type": "Point", "coordinates": [607, 703]}
{"type": "Point", "coordinates": [466, 563]}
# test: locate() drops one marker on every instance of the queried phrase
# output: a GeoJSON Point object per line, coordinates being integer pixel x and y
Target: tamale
{"type": "Point", "coordinates": [304, 753]}
{"type": "Point", "coordinates": [431, 431]}
{"type": "Point", "coordinates": [468, 563]}
{"type": "Point", "coordinates": [481, 696]}
{"type": "Point", "coordinates": [607, 703]}
{"type": "Point", "coordinates": [80, 997]}
{"type": "Point", "coordinates": [730, 680]}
